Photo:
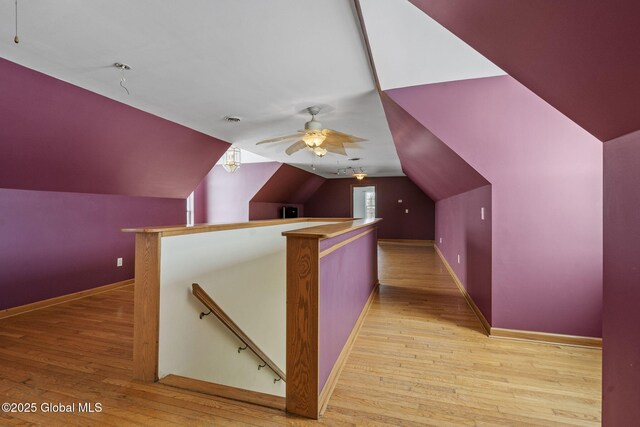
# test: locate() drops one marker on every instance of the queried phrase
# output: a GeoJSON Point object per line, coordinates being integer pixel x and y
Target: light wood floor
{"type": "Point", "coordinates": [420, 359]}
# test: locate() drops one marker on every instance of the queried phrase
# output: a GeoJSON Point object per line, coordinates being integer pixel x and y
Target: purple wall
{"type": "Point", "coordinates": [224, 196]}
{"type": "Point", "coordinates": [265, 210]}
{"type": "Point", "coordinates": [333, 200]}
{"type": "Point", "coordinates": [546, 176]}
{"type": "Point", "coordinates": [58, 243]}
{"type": "Point", "coordinates": [55, 136]}
{"type": "Point", "coordinates": [289, 185]}
{"type": "Point", "coordinates": [347, 278]}
{"type": "Point", "coordinates": [621, 323]}
{"type": "Point", "coordinates": [460, 229]}
{"type": "Point", "coordinates": [580, 56]}
{"type": "Point", "coordinates": [425, 159]}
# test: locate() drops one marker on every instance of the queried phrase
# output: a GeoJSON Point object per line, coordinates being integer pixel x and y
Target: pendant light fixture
{"type": "Point", "coordinates": [232, 160]}
{"type": "Point", "coordinates": [358, 173]}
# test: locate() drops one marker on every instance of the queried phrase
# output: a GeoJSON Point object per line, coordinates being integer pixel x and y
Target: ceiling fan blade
{"type": "Point", "coordinates": [337, 149]}
{"type": "Point", "coordinates": [299, 145]}
{"type": "Point", "coordinates": [335, 136]}
{"type": "Point", "coordinates": [279, 139]}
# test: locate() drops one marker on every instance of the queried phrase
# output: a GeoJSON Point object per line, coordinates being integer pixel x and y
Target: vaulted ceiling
{"type": "Point", "coordinates": [197, 62]}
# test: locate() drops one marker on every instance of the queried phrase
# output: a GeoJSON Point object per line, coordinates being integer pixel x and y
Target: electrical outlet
{"type": "Point", "coordinates": [119, 262]}
{"type": "Point", "coordinates": [458, 258]}
{"type": "Point", "coordinates": [441, 240]}
{"type": "Point", "coordinates": [399, 200]}
{"type": "Point", "coordinates": [482, 214]}
{"type": "Point", "coordinates": [406, 211]}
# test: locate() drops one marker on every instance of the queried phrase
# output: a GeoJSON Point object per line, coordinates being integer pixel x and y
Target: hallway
{"type": "Point", "coordinates": [420, 359]}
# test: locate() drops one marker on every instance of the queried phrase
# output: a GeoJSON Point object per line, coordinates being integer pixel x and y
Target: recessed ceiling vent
{"type": "Point", "coordinates": [231, 119]}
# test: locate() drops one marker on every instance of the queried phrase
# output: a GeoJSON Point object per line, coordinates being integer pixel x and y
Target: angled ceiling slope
{"type": "Point", "coordinates": [409, 48]}
{"type": "Point", "coordinates": [288, 185]}
{"type": "Point", "coordinates": [55, 136]}
{"type": "Point", "coordinates": [426, 160]}
{"type": "Point", "coordinates": [579, 56]}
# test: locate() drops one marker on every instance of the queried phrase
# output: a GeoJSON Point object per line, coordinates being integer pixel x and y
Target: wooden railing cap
{"type": "Point", "coordinates": [175, 230]}
{"type": "Point", "coordinates": [332, 230]}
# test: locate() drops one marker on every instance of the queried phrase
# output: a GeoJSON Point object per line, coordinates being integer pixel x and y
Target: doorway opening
{"type": "Point", "coordinates": [364, 202]}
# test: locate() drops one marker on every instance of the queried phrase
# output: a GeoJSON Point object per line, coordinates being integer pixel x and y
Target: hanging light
{"type": "Point", "coordinates": [319, 151]}
{"type": "Point", "coordinates": [360, 175]}
{"type": "Point", "coordinates": [313, 139]}
{"type": "Point", "coordinates": [231, 160]}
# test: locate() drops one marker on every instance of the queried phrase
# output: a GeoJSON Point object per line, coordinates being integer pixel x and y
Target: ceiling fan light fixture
{"type": "Point", "coordinates": [313, 139]}
{"type": "Point", "coordinates": [319, 151]}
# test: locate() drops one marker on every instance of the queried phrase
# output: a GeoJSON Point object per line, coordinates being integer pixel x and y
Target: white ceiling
{"type": "Point", "coordinates": [196, 61]}
{"type": "Point", "coordinates": [247, 157]}
{"type": "Point", "coordinates": [410, 48]}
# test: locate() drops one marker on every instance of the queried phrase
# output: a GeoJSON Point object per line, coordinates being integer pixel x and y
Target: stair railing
{"type": "Point", "coordinates": [215, 309]}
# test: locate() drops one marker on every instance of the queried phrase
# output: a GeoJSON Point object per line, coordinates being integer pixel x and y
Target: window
{"type": "Point", "coordinates": [364, 202]}
{"type": "Point", "coordinates": [370, 204]}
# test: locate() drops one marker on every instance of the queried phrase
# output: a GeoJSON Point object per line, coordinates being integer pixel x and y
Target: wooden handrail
{"type": "Point", "coordinates": [205, 299]}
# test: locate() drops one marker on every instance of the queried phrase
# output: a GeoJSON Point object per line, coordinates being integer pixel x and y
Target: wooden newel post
{"type": "Point", "coordinates": [146, 307]}
{"type": "Point", "coordinates": [302, 325]}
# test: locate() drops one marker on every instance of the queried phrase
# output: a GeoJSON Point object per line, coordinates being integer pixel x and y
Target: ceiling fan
{"type": "Point", "coordinates": [316, 138]}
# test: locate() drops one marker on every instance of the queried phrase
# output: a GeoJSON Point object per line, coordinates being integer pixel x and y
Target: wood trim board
{"type": "Point", "coordinates": [175, 230]}
{"type": "Point", "coordinates": [546, 337]}
{"type": "Point", "coordinates": [14, 311]}
{"type": "Point", "coordinates": [146, 307]}
{"type": "Point", "coordinates": [413, 242]}
{"type": "Point", "coordinates": [303, 270]}
{"type": "Point", "coordinates": [485, 325]}
{"type": "Point", "coordinates": [521, 335]}
{"type": "Point", "coordinates": [228, 392]}
{"type": "Point", "coordinates": [332, 230]}
{"type": "Point", "coordinates": [344, 242]}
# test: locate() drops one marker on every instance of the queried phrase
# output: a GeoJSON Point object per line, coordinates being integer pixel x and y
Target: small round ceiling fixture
{"type": "Point", "coordinates": [231, 119]}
